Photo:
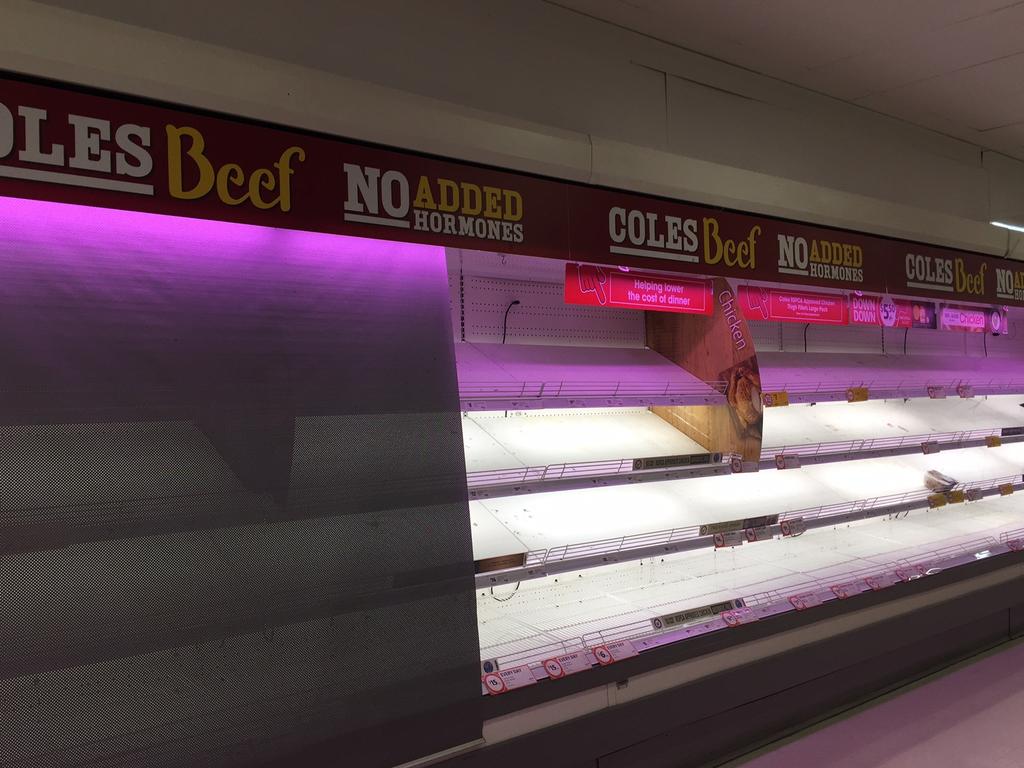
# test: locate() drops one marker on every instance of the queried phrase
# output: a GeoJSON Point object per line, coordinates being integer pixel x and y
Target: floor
{"type": "Point", "coordinates": [966, 717]}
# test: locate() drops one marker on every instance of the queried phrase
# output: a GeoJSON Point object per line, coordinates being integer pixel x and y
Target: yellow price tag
{"type": "Point", "coordinates": [856, 394]}
{"type": "Point", "coordinates": [993, 441]}
{"type": "Point", "coordinates": [956, 497]}
{"type": "Point", "coordinates": [1006, 490]}
{"type": "Point", "coordinates": [937, 500]}
{"type": "Point", "coordinates": [775, 399]}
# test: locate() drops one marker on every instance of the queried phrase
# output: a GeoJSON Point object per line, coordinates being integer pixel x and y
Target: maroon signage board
{"type": "Point", "coordinates": [71, 146]}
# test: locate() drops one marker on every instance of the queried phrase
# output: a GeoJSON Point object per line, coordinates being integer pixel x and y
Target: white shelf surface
{"type": "Point", "coordinates": [562, 609]}
{"type": "Point", "coordinates": [798, 371]}
{"type": "Point", "coordinates": [803, 424]}
{"type": "Point", "coordinates": [544, 520]}
{"type": "Point", "coordinates": [496, 441]}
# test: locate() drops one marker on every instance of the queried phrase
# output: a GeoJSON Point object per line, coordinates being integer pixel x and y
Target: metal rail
{"type": "Point", "coordinates": [877, 443]}
{"type": "Point", "coordinates": [766, 602]}
{"type": "Point", "coordinates": [514, 481]}
{"type": "Point", "coordinates": [574, 557]}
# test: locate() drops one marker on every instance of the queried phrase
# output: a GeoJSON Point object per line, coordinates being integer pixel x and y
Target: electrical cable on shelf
{"type": "Point", "coordinates": [505, 599]}
{"type": "Point", "coordinates": [504, 326]}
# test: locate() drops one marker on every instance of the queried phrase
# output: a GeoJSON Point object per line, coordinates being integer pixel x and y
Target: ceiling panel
{"type": "Point", "coordinates": [954, 66]}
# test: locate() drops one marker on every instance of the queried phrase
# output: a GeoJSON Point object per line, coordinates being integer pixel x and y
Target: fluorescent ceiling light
{"type": "Point", "coordinates": [1014, 227]}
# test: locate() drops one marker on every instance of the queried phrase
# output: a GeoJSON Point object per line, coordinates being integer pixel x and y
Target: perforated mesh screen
{"type": "Point", "coordinates": [247, 537]}
{"type": "Point", "coordinates": [490, 282]}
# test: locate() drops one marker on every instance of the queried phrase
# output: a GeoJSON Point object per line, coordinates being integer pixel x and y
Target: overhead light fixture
{"type": "Point", "coordinates": [1004, 225]}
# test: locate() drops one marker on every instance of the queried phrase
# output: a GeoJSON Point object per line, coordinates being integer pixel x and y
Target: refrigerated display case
{"type": "Point", "coordinates": [594, 517]}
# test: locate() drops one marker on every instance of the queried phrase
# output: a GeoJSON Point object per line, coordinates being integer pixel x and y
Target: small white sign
{"type": "Point", "coordinates": [965, 391]}
{"type": "Point", "coordinates": [502, 681]}
{"type": "Point", "coordinates": [805, 600]}
{"type": "Point", "coordinates": [568, 664]}
{"type": "Point", "coordinates": [609, 653]}
{"type": "Point", "coordinates": [728, 539]}
{"type": "Point", "coordinates": [787, 462]}
{"type": "Point", "coordinates": [880, 581]}
{"type": "Point", "coordinates": [850, 588]}
{"type": "Point", "coordinates": [793, 527]}
{"type": "Point", "coordinates": [758, 534]}
{"type": "Point", "coordinates": [910, 573]}
{"type": "Point", "coordinates": [738, 617]}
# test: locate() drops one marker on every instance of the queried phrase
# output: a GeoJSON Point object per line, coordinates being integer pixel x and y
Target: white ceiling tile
{"type": "Point", "coordinates": [955, 66]}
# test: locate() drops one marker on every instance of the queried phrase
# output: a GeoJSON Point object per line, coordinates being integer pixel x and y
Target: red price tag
{"type": "Point", "coordinates": [804, 601]}
{"type": "Point", "coordinates": [738, 617]}
{"type": "Point", "coordinates": [911, 573]}
{"type": "Point", "coordinates": [502, 681]}
{"type": "Point", "coordinates": [612, 652]}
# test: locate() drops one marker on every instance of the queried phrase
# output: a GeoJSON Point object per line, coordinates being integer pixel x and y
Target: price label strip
{"type": "Point", "coordinates": [937, 393]}
{"type": "Point", "coordinates": [505, 680]}
{"type": "Point", "coordinates": [609, 653]}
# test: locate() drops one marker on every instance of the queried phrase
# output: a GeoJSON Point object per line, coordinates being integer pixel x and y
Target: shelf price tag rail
{"type": "Point", "coordinates": [887, 388]}
{"type": "Point", "coordinates": [577, 557]}
{"type": "Point", "coordinates": [771, 602]}
{"type": "Point", "coordinates": [531, 395]}
{"type": "Point", "coordinates": [517, 481]}
{"type": "Point", "coordinates": [819, 453]}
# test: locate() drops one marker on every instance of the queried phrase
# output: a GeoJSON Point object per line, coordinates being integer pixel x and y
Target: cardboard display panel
{"type": "Point", "coordinates": [719, 350]}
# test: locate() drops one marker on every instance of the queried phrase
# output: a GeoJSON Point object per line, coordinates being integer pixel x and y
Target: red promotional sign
{"type": "Point", "coordinates": [972, 319]}
{"type": "Point", "coordinates": [953, 318]}
{"type": "Point", "coordinates": [792, 306]}
{"type": "Point", "coordinates": [599, 286]}
{"type": "Point", "coordinates": [70, 146]}
{"type": "Point", "coordinates": [892, 313]}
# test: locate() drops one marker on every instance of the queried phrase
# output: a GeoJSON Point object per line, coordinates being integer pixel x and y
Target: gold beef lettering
{"type": "Point", "coordinates": [968, 282]}
{"type": "Point", "coordinates": [732, 253]}
{"type": "Point", "coordinates": [230, 179]}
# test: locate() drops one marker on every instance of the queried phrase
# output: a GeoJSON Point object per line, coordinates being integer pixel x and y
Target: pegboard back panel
{"type": "Point", "coordinates": [490, 282]}
{"type": "Point", "coordinates": [767, 335]}
{"type": "Point", "coordinates": [842, 339]}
